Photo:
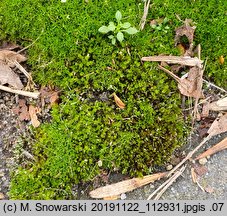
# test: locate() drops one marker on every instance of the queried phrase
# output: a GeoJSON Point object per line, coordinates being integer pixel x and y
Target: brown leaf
{"type": "Point", "coordinates": [48, 95]}
{"type": "Point", "coordinates": [7, 76]}
{"type": "Point", "coordinates": [6, 55]}
{"type": "Point", "coordinates": [189, 86]}
{"type": "Point", "coordinates": [54, 98]}
{"type": "Point", "coordinates": [33, 111]}
{"type": "Point", "coordinates": [221, 60]}
{"type": "Point", "coordinates": [220, 105]}
{"type": "Point", "coordinates": [125, 186]}
{"type": "Point", "coordinates": [118, 101]}
{"type": "Point", "coordinates": [187, 30]}
{"type": "Point", "coordinates": [219, 125]}
{"type": "Point", "coordinates": [216, 148]}
{"type": "Point", "coordinates": [205, 110]}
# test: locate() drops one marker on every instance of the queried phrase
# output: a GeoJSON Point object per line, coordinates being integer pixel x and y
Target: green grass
{"type": "Point", "coordinates": [70, 53]}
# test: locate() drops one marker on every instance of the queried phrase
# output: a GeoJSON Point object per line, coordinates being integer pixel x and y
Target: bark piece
{"type": "Point", "coordinates": [125, 186]}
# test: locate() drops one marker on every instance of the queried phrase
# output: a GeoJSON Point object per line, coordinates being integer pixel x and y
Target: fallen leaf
{"type": "Point", "coordinates": [22, 110]}
{"type": "Point", "coordinates": [221, 60]}
{"type": "Point", "coordinates": [7, 55]}
{"type": "Point", "coordinates": [187, 30]}
{"type": "Point", "coordinates": [216, 148]}
{"type": "Point", "coordinates": [7, 76]}
{"type": "Point", "coordinates": [218, 126]}
{"type": "Point", "coordinates": [118, 101]}
{"type": "Point", "coordinates": [188, 85]}
{"type": "Point", "coordinates": [49, 95]}
{"type": "Point", "coordinates": [125, 186]}
{"type": "Point", "coordinates": [34, 119]}
{"type": "Point", "coordinates": [205, 110]}
{"type": "Point", "coordinates": [54, 98]}
{"type": "Point", "coordinates": [220, 105]}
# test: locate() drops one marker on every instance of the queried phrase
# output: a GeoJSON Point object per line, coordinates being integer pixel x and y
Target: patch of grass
{"type": "Point", "coordinates": [88, 126]}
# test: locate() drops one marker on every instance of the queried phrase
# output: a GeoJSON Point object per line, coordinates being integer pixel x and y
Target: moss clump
{"type": "Point", "coordinates": [87, 126]}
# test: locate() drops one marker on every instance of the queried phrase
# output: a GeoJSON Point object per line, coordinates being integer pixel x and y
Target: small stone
{"type": "Point", "coordinates": [203, 161]}
{"type": "Point", "coordinates": [123, 196]}
{"type": "Point", "coordinates": [169, 167]}
{"type": "Point", "coordinates": [2, 196]}
{"type": "Point", "coordinates": [2, 174]}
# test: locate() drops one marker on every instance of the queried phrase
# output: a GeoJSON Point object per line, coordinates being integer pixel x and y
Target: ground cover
{"type": "Point", "coordinates": [89, 133]}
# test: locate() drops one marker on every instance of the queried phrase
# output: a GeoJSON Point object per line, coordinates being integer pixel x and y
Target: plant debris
{"type": "Point", "coordinates": [216, 148]}
{"type": "Point", "coordinates": [118, 101]}
{"type": "Point", "coordinates": [125, 186]}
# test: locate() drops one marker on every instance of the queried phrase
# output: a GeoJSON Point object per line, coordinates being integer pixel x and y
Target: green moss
{"type": "Point", "coordinates": [88, 126]}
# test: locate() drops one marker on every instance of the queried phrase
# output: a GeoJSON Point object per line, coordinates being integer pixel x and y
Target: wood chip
{"type": "Point", "coordinates": [34, 119]}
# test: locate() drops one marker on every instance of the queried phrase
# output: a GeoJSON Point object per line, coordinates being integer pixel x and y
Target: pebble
{"type": "Point", "coordinates": [169, 167]}
{"type": "Point", "coordinates": [202, 161]}
{"type": "Point", "coordinates": [123, 196]}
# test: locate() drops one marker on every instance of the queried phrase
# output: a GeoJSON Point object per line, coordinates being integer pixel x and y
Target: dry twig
{"type": "Point", "coordinates": [166, 184]}
{"type": "Point", "coordinates": [144, 17]}
{"type": "Point", "coordinates": [20, 92]}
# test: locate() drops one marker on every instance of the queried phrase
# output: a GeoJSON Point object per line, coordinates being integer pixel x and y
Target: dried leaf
{"type": "Point", "coordinates": [54, 98]}
{"type": "Point", "coordinates": [6, 55]}
{"type": "Point", "coordinates": [118, 101]}
{"type": "Point", "coordinates": [189, 86]}
{"type": "Point", "coordinates": [221, 60]}
{"type": "Point", "coordinates": [34, 119]}
{"type": "Point", "coordinates": [185, 60]}
{"type": "Point", "coordinates": [187, 30]}
{"type": "Point", "coordinates": [22, 110]}
{"type": "Point", "coordinates": [216, 148]}
{"type": "Point", "coordinates": [7, 76]}
{"type": "Point", "coordinates": [125, 186]}
{"type": "Point", "coordinates": [205, 110]}
{"type": "Point", "coordinates": [220, 105]}
{"type": "Point", "coordinates": [219, 126]}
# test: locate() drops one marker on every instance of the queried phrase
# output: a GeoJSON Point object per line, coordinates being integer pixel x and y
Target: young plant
{"type": "Point", "coordinates": [118, 30]}
{"type": "Point", "coordinates": [160, 25]}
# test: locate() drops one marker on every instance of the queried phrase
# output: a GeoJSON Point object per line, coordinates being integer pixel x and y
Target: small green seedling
{"type": "Point", "coordinates": [118, 30]}
{"type": "Point", "coordinates": [160, 25]}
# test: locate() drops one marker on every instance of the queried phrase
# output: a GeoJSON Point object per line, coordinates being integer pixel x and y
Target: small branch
{"type": "Point", "coordinates": [190, 154]}
{"type": "Point", "coordinates": [170, 182]}
{"type": "Point", "coordinates": [166, 184]}
{"type": "Point", "coordinates": [211, 84]}
{"type": "Point", "coordinates": [144, 17]}
{"type": "Point", "coordinates": [34, 95]}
